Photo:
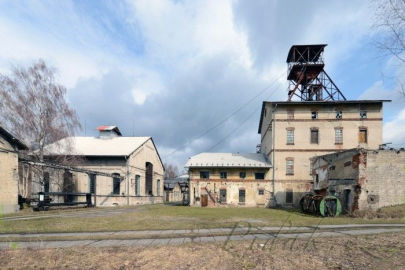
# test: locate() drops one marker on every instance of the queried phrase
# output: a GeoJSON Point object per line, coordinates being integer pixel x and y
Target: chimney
{"type": "Point", "coordinates": [108, 132]}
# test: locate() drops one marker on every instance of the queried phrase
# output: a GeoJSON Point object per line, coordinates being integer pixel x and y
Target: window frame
{"type": "Point", "coordinates": [92, 183]}
{"type": "Point", "coordinates": [260, 192]}
{"type": "Point", "coordinates": [260, 173]}
{"type": "Point", "coordinates": [316, 130]}
{"type": "Point", "coordinates": [364, 116]}
{"type": "Point", "coordinates": [223, 175]}
{"type": "Point", "coordinates": [116, 188]}
{"type": "Point", "coordinates": [289, 168]}
{"type": "Point", "coordinates": [137, 185]}
{"type": "Point", "coordinates": [314, 114]}
{"type": "Point", "coordinates": [242, 194]}
{"type": "Point", "coordinates": [339, 114]}
{"type": "Point", "coordinates": [207, 173]}
{"type": "Point", "coordinates": [339, 142]}
{"type": "Point", "coordinates": [221, 190]}
{"type": "Point", "coordinates": [365, 131]}
{"type": "Point", "coordinates": [290, 136]}
{"type": "Point", "coordinates": [242, 173]}
{"type": "Point", "coordinates": [289, 196]}
{"type": "Point", "coordinates": [290, 114]}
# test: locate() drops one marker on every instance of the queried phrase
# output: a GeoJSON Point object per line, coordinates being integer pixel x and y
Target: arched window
{"type": "Point", "coordinates": [148, 178]}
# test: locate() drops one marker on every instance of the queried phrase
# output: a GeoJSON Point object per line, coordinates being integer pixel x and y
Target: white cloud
{"type": "Point", "coordinates": [394, 130]}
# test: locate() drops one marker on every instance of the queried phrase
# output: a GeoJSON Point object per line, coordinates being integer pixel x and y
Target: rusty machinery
{"type": "Point", "coordinates": [326, 206]}
{"type": "Point", "coordinates": [308, 79]}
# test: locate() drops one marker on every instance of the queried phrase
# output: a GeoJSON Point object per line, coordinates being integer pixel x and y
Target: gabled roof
{"type": "Point", "coordinates": [236, 160]}
{"type": "Point", "coordinates": [12, 139]}
{"type": "Point", "coordinates": [94, 146]}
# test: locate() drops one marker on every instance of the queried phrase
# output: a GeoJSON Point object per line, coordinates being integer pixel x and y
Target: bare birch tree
{"type": "Point", "coordinates": [171, 171]}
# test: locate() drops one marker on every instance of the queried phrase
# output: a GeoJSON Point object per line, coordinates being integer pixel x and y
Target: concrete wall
{"type": "Point", "coordinates": [232, 185]}
{"type": "Point", "coordinates": [8, 178]}
{"type": "Point", "coordinates": [302, 149]}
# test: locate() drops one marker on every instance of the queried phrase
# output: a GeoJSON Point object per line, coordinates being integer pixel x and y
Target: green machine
{"type": "Point", "coordinates": [326, 206]}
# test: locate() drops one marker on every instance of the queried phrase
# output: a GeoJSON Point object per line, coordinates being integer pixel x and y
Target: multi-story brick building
{"type": "Point", "coordinates": [294, 131]}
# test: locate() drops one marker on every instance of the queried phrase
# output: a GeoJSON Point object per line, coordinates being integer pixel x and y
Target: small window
{"type": "Point", "coordinates": [205, 175]}
{"type": "Point", "coordinates": [92, 184]}
{"type": "Point", "coordinates": [290, 136]}
{"type": "Point", "coordinates": [261, 191]}
{"type": "Point", "coordinates": [242, 195]}
{"type": "Point", "coordinates": [223, 175]}
{"type": "Point", "coordinates": [289, 196]}
{"type": "Point", "coordinates": [339, 114]}
{"type": "Point", "coordinates": [116, 184]}
{"type": "Point", "coordinates": [314, 115]}
{"type": "Point", "coordinates": [363, 135]}
{"type": "Point", "coordinates": [314, 135]}
{"type": "Point", "coordinates": [290, 167]}
{"type": "Point", "coordinates": [290, 114]}
{"type": "Point", "coordinates": [338, 136]}
{"type": "Point", "coordinates": [242, 175]}
{"type": "Point", "coordinates": [259, 175]}
{"type": "Point", "coordinates": [363, 114]}
{"type": "Point", "coordinates": [46, 181]}
{"type": "Point", "coordinates": [137, 184]}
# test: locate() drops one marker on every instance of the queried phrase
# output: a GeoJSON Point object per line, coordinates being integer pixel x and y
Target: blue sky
{"type": "Point", "coordinates": [173, 69]}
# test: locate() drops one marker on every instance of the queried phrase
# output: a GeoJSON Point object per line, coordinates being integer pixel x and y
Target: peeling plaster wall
{"type": "Point", "coordinates": [8, 178]}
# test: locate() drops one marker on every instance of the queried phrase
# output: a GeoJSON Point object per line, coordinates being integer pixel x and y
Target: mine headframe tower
{"type": "Point", "coordinates": [308, 79]}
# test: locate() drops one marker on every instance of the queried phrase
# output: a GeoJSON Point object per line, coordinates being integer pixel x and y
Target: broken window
{"type": "Point", "coordinates": [314, 115]}
{"type": "Point", "coordinates": [92, 184]}
{"type": "Point", "coordinates": [137, 184]}
{"type": "Point", "coordinates": [242, 195]}
{"type": "Point", "coordinates": [314, 135]}
{"type": "Point", "coordinates": [205, 175]}
{"type": "Point", "coordinates": [259, 175]}
{"type": "Point", "coordinates": [363, 114]}
{"type": "Point", "coordinates": [290, 166]}
{"type": "Point", "coordinates": [148, 178]}
{"type": "Point", "coordinates": [261, 191]}
{"type": "Point", "coordinates": [222, 195]}
{"type": "Point", "coordinates": [223, 175]}
{"type": "Point", "coordinates": [290, 136]}
{"type": "Point", "coordinates": [116, 184]}
{"type": "Point", "coordinates": [339, 114]}
{"type": "Point", "coordinates": [289, 196]}
{"type": "Point", "coordinates": [290, 114]}
{"type": "Point", "coordinates": [363, 135]}
{"type": "Point", "coordinates": [242, 175]}
{"type": "Point", "coordinates": [338, 136]}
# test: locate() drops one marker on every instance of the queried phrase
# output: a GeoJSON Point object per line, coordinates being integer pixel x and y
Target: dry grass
{"type": "Point", "coordinates": [153, 217]}
{"type": "Point", "coordinates": [384, 251]}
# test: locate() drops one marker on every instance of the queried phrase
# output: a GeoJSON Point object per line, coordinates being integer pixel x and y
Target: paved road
{"type": "Point", "coordinates": [202, 235]}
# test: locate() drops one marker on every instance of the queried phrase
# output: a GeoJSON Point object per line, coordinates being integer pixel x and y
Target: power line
{"type": "Point", "coordinates": [229, 116]}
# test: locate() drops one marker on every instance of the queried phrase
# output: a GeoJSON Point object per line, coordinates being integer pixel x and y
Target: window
{"type": "Point", "coordinates": [338, 136]}
{"type": "Point", "coordinates": [289, 196]}
{"type": "Point", "coordinates": [158, 187]}
{"type": "Point", "coordinates": [290, 166]}
{"type": "Point", "coordinates": [363, 135]}
{"type": "Point", "coordinates": [46, 181]}
{"type": "Point", "coordinates": [261, 191]}
{"type": "Point", "coordinates": [363, 114]}
{"type": "Point", "coordinates": [332, 168]}
{"type": "Point", "coordinates": [314, 115]}
{"type": "Point", "coordinates": [314, 135]}
{"type": "Point", "coordinates": [137, 184]}
{"type": "Point", "coordinates": [242, 195]}
{"type": "Point", "coordinates": [116, 183]}
{"type": "Point", "coordinates": [347, 164]}
{"type": "Point", "coordinates": [205, 175]}
{"type": "Point", "coordinates": [222, 195]}
{"type": "Point", "coordinates": [259, 175]}
{"type": "Point", "coordinates": [339, 114]}
{"type": "Point", "coordinates": [223, 175]}
{"type": "Point", "coordinates": [290, 136]}
{"type": "Point", "coordinates": [242, 175]}
{"type": "Point", "coordinates": [310, 167]}
{"type": "Point", "coordinates": [290, 114]}
{"type": "Point", "coordinates": [92, 184]}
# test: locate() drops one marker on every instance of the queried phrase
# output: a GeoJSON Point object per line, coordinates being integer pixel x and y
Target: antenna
{"type": "Point", "coordinates": [308, 79]}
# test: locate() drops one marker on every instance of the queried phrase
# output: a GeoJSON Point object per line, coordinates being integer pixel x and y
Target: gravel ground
{"type": "Point", "coordinates": [384, 251]}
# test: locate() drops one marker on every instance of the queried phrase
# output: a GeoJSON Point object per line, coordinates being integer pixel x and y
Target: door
{"type": "Point", "coordinates": [222, 195]}
{"type": "Point", "coordinates": [204, 200]}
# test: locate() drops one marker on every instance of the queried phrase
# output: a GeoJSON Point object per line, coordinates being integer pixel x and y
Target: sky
{"type": "Point", "coordinates": [193, 74]}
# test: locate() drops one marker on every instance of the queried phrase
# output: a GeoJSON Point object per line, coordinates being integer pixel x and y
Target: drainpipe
{"type": "Point", "coordinates": [273, 131]}
{"type": "Point", "coordinates": [127, 178]}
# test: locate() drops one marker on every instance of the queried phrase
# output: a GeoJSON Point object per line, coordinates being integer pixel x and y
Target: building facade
{"type": "Point", "coordinates": [228, 179]}
{"type": "Point", "coordinates": [362, 179]}
{"type": "Point", "coordinates": [294, 131]}
{"type": "Point", "coordinates": [9, 147]}
{"type": "Point", "coordinates": [116, 170]}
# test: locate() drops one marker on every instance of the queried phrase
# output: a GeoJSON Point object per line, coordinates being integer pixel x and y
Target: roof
{"type": "Point", "coordinates": [236, 160]}
{"type": "Point", "coordinates": [312, 53]}
{"type": "Point", "coordinates": [109, 128]}
{"type": "Point", "coordinates": [94, 146]}
{"type": "Point", "coordinates": [321, 102]}
{"type": "Point", "coordinates": [12, 139]}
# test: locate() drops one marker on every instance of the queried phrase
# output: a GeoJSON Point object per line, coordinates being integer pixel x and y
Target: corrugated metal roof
{"type": "Point", "coordinates": [237, 160]}
{"type": "Point", "coordinates": [93, 146]}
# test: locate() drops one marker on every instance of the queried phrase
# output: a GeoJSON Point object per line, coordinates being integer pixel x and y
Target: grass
{"type": "Point", "coordinates": [154, 217]}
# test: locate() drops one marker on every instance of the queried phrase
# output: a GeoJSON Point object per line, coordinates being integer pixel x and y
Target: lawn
{"type": "Point", "coordinates": [153, 217]}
